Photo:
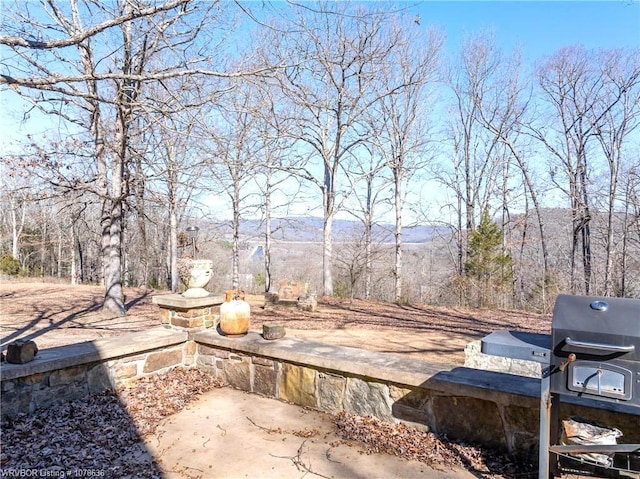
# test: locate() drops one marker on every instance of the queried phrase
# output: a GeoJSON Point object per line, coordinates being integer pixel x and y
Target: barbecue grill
{"type": "Point", "coordinates": [596, 348]}
{"type": "Point", "coordinates": [593, 352]}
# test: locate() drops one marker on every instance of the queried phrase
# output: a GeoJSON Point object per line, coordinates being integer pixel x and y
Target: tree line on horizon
{"type": "Point", "coordinates": [160, 114]}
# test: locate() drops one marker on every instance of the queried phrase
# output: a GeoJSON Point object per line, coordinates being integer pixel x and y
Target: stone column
{"type": "Point", "coordinates": [190, 314]}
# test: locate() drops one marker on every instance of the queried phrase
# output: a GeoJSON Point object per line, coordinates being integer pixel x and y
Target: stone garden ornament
{"type": "Point", "coordinates": [195, 273]}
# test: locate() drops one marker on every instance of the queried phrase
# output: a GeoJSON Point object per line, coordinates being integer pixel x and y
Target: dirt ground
{"type": "Point", "coordinates": [57, 314]}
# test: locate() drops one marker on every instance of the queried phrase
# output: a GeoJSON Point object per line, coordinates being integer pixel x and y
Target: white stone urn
{"type": "Point", "coordinates": [196, 274]}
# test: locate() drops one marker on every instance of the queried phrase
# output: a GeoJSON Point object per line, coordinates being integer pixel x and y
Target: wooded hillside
{"type": "Point", "coordinates": [163, 115]}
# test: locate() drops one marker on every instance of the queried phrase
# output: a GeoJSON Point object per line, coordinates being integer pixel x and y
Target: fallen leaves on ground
{"type": "Point", "coordinates": [153, 398]}
{"type": "Point", "coordinates": [100, 436]}
{"type": "Point", "coordinates": [400, 440]}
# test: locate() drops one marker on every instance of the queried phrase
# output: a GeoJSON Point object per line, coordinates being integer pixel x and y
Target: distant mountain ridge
{"type": "Point", "coordinates": [309, 229]}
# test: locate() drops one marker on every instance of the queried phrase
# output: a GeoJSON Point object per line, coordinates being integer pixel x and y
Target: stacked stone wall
{"type": "Point", "coordinates": [189, 314]}
{"type": "Point", "coordinates": [71, 372]}
{"type": "Point", "coordinates": [493, 409]}
{"type": "Point", "coordinates": [488, 408]}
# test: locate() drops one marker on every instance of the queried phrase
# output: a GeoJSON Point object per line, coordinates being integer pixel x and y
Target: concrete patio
{"type": "Point", "coordinates": [231, 434]}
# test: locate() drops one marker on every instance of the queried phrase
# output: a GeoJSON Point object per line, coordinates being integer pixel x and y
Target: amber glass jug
{"type": "Point", "coordinates": [234, 314]}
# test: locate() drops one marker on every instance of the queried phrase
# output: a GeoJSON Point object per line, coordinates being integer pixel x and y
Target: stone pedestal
{"type": "Point", "coordinates": [192, 314]}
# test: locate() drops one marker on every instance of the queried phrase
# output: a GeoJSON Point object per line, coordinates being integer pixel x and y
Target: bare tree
{"type": "Point", "coordinates": [573, 85]}
{"type": "Point", "coordinates": [404, 135]}
{"type": "Point", "coordinates": [271, 179]}
{"type": "Point", "coordinates": [621, 90]}
{"type": "Point", "coordinates": [503, 111]}
{"type": "Point", "coordinates": [630, 229]}
{"type": "Point", "coordinates": [478, 154]}
{"type": "Point", "coordinates": [172, 169]}
{"type": "Point", "coordinates": [370, 192]}
{"type": "Point", "coordinates": [234, 155]}
{"type": "Point", "coordinates": [94, 76]}
{"type": "Point", "coordinates": [14, 211]}
{"type": "Point", "coordinates": [331, 87]}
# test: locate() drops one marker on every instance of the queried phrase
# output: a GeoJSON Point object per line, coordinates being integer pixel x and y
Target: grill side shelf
{"type": "Point", "coordinates": [601, 448]}
{"type": "Point", "coordinates": [580, 454]}
{"type": "Point", "coordinates": [518, 345]}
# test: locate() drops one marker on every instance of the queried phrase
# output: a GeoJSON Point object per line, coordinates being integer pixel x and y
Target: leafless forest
{"type": "Point", "coordinates": [160, 115]}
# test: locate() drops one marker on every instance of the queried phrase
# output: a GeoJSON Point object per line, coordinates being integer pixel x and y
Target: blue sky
{"type": "Point", "coordinates": [540, 27]}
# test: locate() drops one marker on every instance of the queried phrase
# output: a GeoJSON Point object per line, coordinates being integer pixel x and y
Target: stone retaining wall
{"type": "Point", "coordinates": [488, 408]}
{"type": "Point", "coordinates": [71, 372]}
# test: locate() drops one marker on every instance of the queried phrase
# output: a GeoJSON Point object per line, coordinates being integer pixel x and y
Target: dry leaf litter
{"type": "Point", "coordinates": [102, 433]}
{"type": "Point", "coordinates": [409, 443]}
{"type": "Point", "coordinates": [100, 436]}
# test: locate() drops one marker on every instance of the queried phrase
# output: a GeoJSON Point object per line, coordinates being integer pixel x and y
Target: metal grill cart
{"type": "Point", "coordinates": [593, 352]}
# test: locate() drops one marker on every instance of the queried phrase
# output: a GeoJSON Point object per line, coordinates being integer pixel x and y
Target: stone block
{"type": "Point", "coordinates": [265, 380]}
{"type": "Point", "coordinates": [205, 361]}
{"type": "Point", "coordinates": [67, 376]}
{"type": "Point", "coordinates": [238, 375]}
{"type": "Point", "coordinates": [162, 359]}
{"type": "Point", "coordinates": [21, 351]}
{"type": "Point", "coordinates": [45, 398]}
{"type": "Point", "coordinates": [416, 398]}
{"type": "Point", "coordinates": [190, 348]}
{"type": "Point", "coordinates": [165, 316]}
{"type": "Point", "coordinates": [189, 353]}
{"type": "Point", "coordinates": [16, 401]}
{"type": "Point", "coordinates": [209, 351]}
{"type": "Point", "coordinates": [368, 399]}
{"type": "Point", "coordinates": [475, 358]}
{"type": "Point", "coordinates": [271, 298]}
{"type": "Point", "coordinates": [308, 303]}
{"type": "Point", "coordinates": [37, 379]}
{"type": "Point", "coordinates": [291, 289]}
{"type": "Point", "coordinates": [262, 361]}
{"type": "Point", "coordinates": [330, 392]}
{"type": "Point", "coordinates": [273, 331]}
{"type": "Point", "coordinates": [470, 419]}
{"type": "Point", "coordinates": [187, 323]}
{"type": "Point", "coordinates": [211, 320]}
{"type": "Point", "coordinates": [297, 385]}
{"type": "Point", "coordinates": [125, 370]}
{"type": "Point", "coordinates": [521, 428]}
{"type": "Point", "coordinates": [416, 418]}
{"type": "Point", "coordinates": [194, 313]}
{"type": "Point", "coordinates": [8, 386]}
{"type": "Point", "coordinates": [98, 379]}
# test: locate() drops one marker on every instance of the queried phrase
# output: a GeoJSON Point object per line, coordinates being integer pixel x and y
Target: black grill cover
{"type": "Point", "coordinates": [607, 321]}
{"type": "Point", "coordinates": [596, 336]}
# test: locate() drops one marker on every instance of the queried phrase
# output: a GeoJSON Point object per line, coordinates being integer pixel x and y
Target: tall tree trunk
{"type": "Point", "coordinates": [59, 265]}
{"type": "Point", "coordinates": [586, 227]}
{"type": "Point", "coordinates": [173, 246]}
{"type": "Point", "coordinates": [114, 299]}
{"type": "Point", "coordinates": [73, 273]}
{"type": "Point", "coordinates": [143, 247]}
{"type": "Point", "coordinates": [327, 233]}
{"type": "Point", "coordinates": [235, 273]}
{"type": "Point", "coordinates": [81, 262]}
{"type": "Point", "coordinates": [43, 246]}
{"type": "Point", "coordinates": [267, 234]}
{"type": "Point", "coordinates": [327, 254]}
{"type": "Point", "coordinates": [398, 235]}
{"type": "Point", "coordinates": [367, 252]}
